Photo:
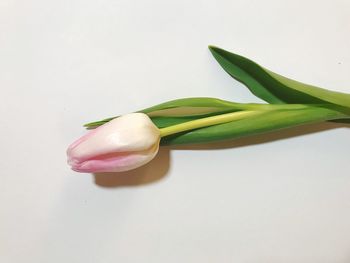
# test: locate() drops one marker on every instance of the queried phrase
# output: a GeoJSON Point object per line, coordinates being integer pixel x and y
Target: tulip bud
{"type": "Point", "coordinates": [122, 144]}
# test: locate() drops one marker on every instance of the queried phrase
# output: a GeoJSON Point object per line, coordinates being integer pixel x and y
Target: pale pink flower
{"type": "Point", "coordinates": [122, 144]}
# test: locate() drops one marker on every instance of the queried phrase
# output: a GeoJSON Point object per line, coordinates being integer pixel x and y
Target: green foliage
{"type": "Point", "coordinates": [272, 87]}
{"type": "Point", "coordinates": [267, 121]}
{"type": "Point", "coordinates": [291, 103]}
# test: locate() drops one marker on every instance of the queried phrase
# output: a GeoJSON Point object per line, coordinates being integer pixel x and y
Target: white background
{"type": "Point", "coordinates": [272, 198]}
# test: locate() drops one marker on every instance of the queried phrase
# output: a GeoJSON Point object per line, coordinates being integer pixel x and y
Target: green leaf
{"type": "Point", "coordinates": [273, 87]}
{"type": "Point", "coordinates": [187, 107]}
{"type": "Point", "coordinates": [261, 123]}
{"type": "Point", "coordinates": [209, 104]}
{"type": "Point", "coordinates": [265, 84]}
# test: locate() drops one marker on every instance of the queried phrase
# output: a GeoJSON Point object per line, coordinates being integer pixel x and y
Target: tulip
{"type": "Point", "coordinates": [127, 142]}
{"type": "Point", "coordinates": [123, 144]}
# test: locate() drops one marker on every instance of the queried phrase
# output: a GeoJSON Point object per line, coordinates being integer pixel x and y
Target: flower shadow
{"type": "Point", "coordinates": [149, 173]}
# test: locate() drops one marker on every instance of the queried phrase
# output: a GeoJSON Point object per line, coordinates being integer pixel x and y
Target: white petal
{"type": "Point", "coordinates": [127, 133]}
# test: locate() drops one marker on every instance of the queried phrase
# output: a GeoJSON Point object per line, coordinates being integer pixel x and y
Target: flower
{"type": "Point", "coordinates": [122, 144]}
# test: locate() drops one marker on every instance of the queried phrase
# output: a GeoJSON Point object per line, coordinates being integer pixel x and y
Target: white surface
{"type": "Point", "coordinates": [64, 63]}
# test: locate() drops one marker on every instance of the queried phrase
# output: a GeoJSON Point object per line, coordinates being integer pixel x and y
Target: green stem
{"type": "Point", "coordinates": [205, 122]}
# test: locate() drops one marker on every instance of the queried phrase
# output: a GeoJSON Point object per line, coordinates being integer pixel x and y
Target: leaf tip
{"type": "Point", "coordinates": [212, 48]}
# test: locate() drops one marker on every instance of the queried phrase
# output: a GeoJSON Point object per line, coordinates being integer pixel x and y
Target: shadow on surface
{"type": "Point", "coordinates": [149, 173]}
{"type": "Point", "coordinates": [159, 167]}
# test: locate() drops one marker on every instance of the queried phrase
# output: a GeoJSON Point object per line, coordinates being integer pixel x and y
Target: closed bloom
{"type": "Point", "coordinates": [122, 144]}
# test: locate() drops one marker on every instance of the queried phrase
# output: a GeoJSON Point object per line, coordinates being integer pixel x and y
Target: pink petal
{"type": "Point", "coordinates": [81, 139]}
{"type": "Point", "coordinates": [113, 164]}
